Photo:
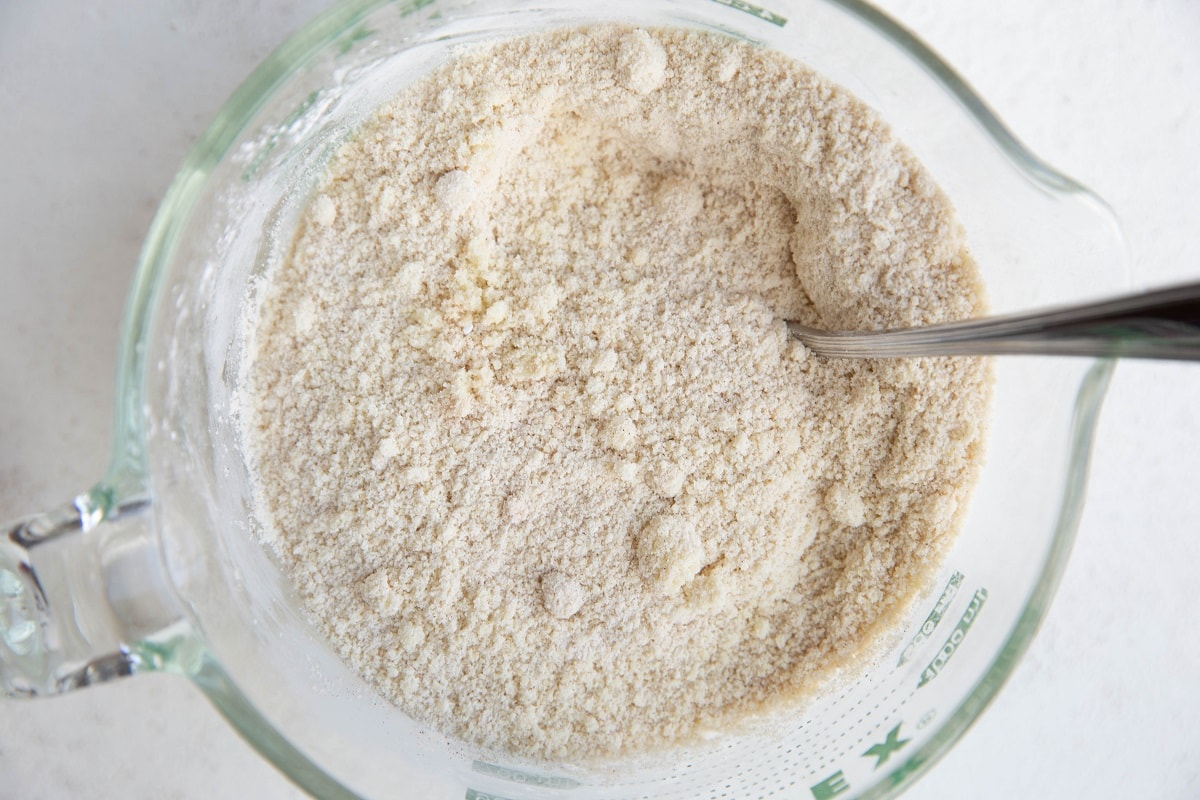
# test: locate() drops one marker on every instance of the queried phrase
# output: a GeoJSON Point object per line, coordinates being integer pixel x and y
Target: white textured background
{"type": "Point", "coordinates": [100, 101]}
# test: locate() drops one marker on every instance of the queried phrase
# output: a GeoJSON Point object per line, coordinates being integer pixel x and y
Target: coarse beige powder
{"type": "Point", "coordinates": [528, 432]}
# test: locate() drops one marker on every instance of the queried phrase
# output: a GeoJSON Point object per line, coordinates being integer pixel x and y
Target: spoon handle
{"type": "Point", "coordinates": [1164, 323]}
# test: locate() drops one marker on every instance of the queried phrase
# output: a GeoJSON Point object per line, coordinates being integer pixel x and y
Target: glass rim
{"type": "Point", "coordinates": [126, 474]}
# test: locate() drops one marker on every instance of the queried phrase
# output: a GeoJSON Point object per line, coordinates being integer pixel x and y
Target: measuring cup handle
{"type": "Point", "coordinates": [80, 586]}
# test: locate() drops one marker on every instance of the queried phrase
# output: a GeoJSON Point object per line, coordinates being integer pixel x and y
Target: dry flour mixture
{"type": "Point", "coordinates": [526, 427]}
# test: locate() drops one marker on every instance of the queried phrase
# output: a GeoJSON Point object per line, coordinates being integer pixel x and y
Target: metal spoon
{"type": "Point", "coordinates": [1160, 324]}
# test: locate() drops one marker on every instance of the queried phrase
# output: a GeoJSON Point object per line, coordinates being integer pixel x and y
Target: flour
{"type": "Point", "coordinates": [527, 429]}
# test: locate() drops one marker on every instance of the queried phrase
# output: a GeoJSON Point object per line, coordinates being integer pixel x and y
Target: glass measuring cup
{"type": "Point", "coordinates": [182, 494]}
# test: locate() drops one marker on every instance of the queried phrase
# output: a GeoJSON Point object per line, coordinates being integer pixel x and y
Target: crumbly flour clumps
{"type": "Point", "coordinates": [525, 424]}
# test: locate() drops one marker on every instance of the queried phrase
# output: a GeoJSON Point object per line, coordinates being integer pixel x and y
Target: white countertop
{"type": "Point", "coordinates": [101, 101]}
